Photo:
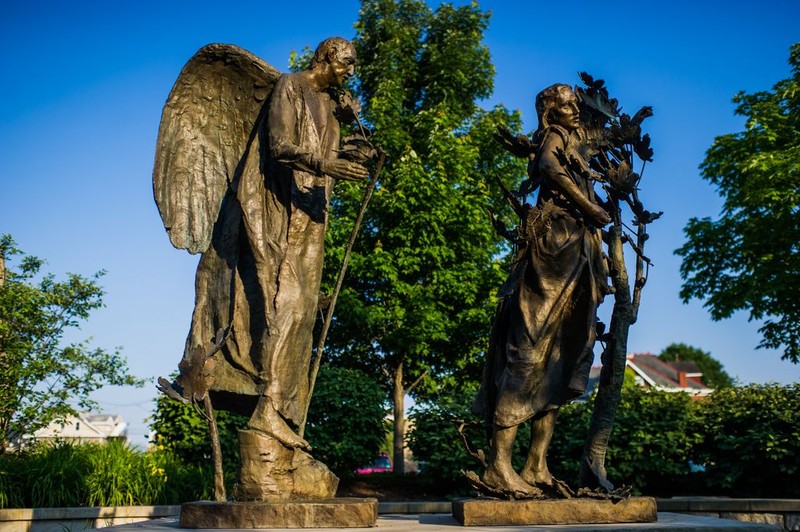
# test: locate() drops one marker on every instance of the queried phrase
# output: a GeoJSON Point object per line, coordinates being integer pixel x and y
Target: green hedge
{"type": "Point", "coordinates": [747, 439]}
{"type": "Point", "coordinates": [752, 441]}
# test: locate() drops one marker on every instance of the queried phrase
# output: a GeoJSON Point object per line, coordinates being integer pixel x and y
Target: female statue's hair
{"type": "Point", "coordinates": [546, 100]}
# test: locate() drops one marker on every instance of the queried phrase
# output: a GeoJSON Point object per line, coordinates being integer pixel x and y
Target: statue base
{"type": "Point", "coordinates": [333, 513]}
{"type": "Point", "coordinates": [273, 472]}
{"type": "Point", "coordinates": [481, 512]}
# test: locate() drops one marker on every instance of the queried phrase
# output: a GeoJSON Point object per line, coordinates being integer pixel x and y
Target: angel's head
{"type": "Point", "coordinates": [336, 58]}
{"type": "Point", "coordinates": [557, 105]}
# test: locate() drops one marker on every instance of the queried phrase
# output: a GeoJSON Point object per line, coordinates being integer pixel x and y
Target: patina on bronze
{"type": "Point", "coordinates": [540, 351]}
{"type": "Point", "coordinates": [245, 165]}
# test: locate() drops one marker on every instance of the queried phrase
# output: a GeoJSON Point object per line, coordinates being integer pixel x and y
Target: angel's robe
{"type": "Point", "coordinates": [261, 276]}
{"type": "Point", "coordinates": [540, 347]}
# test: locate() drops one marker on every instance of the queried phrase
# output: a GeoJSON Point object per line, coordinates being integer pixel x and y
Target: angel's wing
{"type": "Point", "coordinates": [205, 127]}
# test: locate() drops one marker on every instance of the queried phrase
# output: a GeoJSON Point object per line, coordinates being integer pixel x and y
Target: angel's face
{"type": "Point", "coordinates": [342, 65]}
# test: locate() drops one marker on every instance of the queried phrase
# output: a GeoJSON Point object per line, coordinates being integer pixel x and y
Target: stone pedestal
{"type": "Point", "coordinates": [273, 472]}
{"type": "Point", "coordinates": [333, 513]}
{"type": "Point", "coordinates": [481, 512]}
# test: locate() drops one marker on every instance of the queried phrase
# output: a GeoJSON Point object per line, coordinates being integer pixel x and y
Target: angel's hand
{"type": "Point", "coordinates": [348, 108]}
{"type": "Point", "coordinates": [341, 169]}
{"type": "Point", "coordinates": [348, 102]}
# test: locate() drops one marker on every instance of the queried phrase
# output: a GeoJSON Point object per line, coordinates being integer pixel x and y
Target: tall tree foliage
{"type": "Point", "coordinates": [418, 297]}
{"type": "Point", "coordinates": [42, 380]}
{"type": "Point", "coordinates": [749, 258]}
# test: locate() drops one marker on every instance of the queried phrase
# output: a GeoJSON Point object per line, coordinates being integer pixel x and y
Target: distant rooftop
{"type": "Point", "coordinates": [680, 375]}
{"type": "Point", "coordinates": [652, 372]}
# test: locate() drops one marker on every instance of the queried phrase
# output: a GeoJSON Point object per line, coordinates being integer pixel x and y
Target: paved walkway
{"type": "Point", "coordinates": [445, 523]}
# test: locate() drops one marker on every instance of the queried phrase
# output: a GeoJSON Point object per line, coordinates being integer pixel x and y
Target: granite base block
{"type": "Point", "coordinates": [483, 512]}
{"type": "Point", "coordinates": [330, 513]}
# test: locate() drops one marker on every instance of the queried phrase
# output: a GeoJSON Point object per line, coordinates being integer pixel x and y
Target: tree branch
{"type": "Point", "coordinates": [417, 381]}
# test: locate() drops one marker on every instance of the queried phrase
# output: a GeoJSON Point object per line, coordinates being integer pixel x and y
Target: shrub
{"type": "Point", "coordinates": [347, 419]}
{"type": "Point", "coordinates": [650, 448]}
{"type": "Point", "coordinates": [43, 476]}
{"type": "Point", "coordinates": [434, 439]}
{"type": "Point", "coordinates": [181, 429]}
{"type": "Point", "coordinates": [652, 442]}
{"type": "Point", "coordinates": [752, 441]}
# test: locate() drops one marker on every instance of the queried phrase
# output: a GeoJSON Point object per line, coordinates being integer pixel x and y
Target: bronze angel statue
{"type": "Point", "coordinates": [245, 164]}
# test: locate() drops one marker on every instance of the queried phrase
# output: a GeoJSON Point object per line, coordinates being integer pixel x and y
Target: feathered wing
{"type": "Point", "coordinates": [205, 127]}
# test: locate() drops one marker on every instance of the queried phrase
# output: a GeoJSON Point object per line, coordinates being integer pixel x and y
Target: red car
{"type": "Point", "coordinates": [382, 464]}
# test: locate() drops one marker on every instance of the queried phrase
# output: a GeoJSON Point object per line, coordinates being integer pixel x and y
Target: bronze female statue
{"type": "Point", "coordinates": [541, 343]}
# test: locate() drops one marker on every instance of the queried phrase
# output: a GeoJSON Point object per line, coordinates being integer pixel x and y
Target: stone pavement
{"type": "Point", "coordinates": [446, 523]}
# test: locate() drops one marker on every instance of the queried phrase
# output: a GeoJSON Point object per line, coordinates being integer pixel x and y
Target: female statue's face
{"type": "Point", "coordinates": [565, 112]}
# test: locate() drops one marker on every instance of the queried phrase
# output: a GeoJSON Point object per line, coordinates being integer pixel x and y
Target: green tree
{"type": "Point", "coordinates": [42, 380]}
{"type": "Point", "coordinates": [417, 302]}
{"type": "Point", "coordinates": [749, 258]}
{"type": "Point", "coordinates": [713, 373]}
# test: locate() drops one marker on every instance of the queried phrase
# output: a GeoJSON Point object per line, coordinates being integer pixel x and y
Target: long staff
{"type": "Point", "coordinates": [339, 281]}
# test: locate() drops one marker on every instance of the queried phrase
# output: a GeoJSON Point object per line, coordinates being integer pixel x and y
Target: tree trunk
{"type": "Point", "coordinates": [398, 393]}
{"type": "Point", "coordinates": [592, 471]}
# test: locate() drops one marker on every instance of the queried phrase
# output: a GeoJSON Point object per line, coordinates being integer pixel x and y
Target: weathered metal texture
{"type": "Point", "coordinates": [335, 513]}
{"type": "Point", "coordinates": [484, 512]}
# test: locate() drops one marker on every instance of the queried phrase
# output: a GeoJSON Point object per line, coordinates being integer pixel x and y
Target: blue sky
{"type": "Point", "coordinates": [84, 84]}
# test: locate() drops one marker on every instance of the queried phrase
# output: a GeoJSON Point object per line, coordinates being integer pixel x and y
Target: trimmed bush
{"type": "Point", "coordinates": [752, 441]}
{"type": "Point", "coordinates": [747, 439]}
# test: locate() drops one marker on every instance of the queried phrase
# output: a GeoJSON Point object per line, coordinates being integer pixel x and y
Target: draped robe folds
{"type": "Point", "coordinates": [540, 348]}
{"type": "Point", "coordinates": [261, 275]}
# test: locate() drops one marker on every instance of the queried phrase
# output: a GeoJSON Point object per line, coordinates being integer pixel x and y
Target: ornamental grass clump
{"type": "Point", "coordinates": [67, 475]}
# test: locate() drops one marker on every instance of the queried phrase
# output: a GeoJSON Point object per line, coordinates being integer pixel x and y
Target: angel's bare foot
{"type": "Point", "coordinates": [267, 420]}
{"type": "Point", "coordinates": [506, 479]}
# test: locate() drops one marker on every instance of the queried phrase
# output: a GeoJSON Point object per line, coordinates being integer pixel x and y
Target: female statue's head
{"type": "Point", "coordinates": [557, 105]}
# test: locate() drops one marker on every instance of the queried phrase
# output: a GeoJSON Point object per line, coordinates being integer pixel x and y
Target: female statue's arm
{"type": "Point", "coordinates": [553, 170]}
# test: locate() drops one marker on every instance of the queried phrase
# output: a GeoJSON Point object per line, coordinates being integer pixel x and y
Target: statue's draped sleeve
{"type": "Point", "coordinates": [285, 122]}
{"type": "Point", "coordinates": [206, 126]}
